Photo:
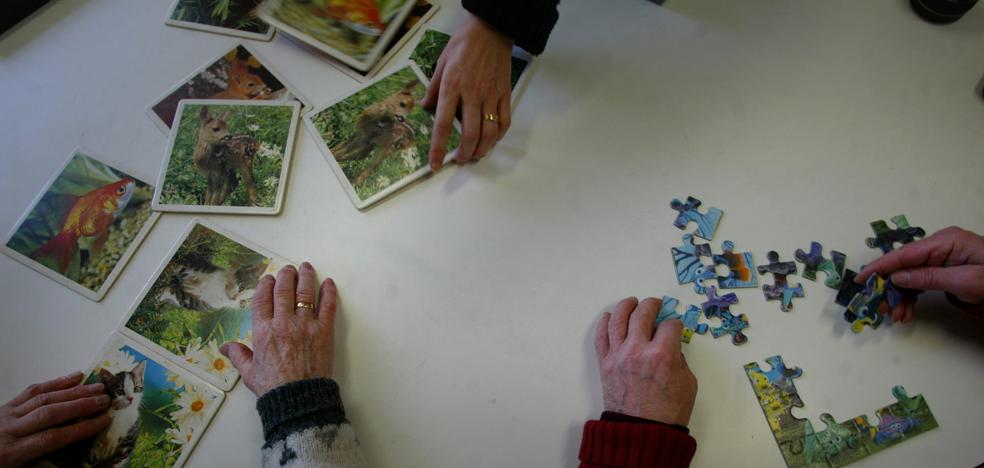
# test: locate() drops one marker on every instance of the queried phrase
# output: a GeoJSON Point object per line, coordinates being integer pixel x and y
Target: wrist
{"type": "Point", "coordinates": [299, 405]}
{"type": "Point", "coordinates": [612, 416]}
{"type": "Point", "coordinates": [478, 24]}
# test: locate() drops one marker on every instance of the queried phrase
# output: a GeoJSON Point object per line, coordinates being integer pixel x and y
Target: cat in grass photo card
{"type": "Point", "coordinates": [84, 226]}
{"type": "Point", "coordinates": [231, 17]}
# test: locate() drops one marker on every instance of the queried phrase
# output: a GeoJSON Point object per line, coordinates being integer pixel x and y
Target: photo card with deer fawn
{"type": "Point", "coordinates": [233, 18]}
{"type": "Point", "coordinates": [228, 156]}
{"type": "Point", "coordinates": [238, 73]}
{"type": "Point", "coordinates": [377, 139]}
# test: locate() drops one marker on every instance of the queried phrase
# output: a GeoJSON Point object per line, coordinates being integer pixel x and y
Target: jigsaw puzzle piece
{"type": "Point", "coordinates": [863, 310]}
{"type": "Point", "coordinates": [688, 211]}
{"type": "Point", "coordinates": [731, 325]}
{"type": "Point", "coordinates": [840, 443]}
{"type": "Point", "coordinates": [716, 303]}
{"type": "Point", "coordinates": [689, 268]}
{"type": "Point", "coordinates": [903, 419]}
{"type": "Point", "coordinates": [741, 268]}
{"type": "Point", "coordinates": [814, 261]}
{"type": "Point", "coordinates": [777, 397]}
{"type": "Point", "coordinates": [848, 288]}
{"type": "Point", "coordinates": [690, 318]}
{"type": "Point", "coordinates": [886, 238]}
{"type": "Point", "coordinates": [780, 289]}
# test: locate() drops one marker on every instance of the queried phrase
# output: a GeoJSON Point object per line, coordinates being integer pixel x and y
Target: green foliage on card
{"type": "Point", "coordinates": [233, 14]}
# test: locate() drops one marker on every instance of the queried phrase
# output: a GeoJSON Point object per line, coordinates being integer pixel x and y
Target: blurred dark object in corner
{"type": "Point", "coordinates": [17, 10]}
{"type": "Point", "coordinates": [942, 11]}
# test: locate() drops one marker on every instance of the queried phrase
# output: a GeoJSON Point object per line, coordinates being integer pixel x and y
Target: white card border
{"type": "Point", "coordinates": [217, 29]}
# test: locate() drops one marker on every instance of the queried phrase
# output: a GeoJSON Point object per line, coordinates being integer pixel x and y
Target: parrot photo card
{"type": "Point", "coordinates": [84, 226]}
{"type": "Point", "coordinates": [238, 73]}
{"type": "Point", "coordinates": [222, 17]}
{"type": "Point", "coordinates": [199, 299]}
{"type": "Point", "coordinates": [158, 410]}
{"type": "Point", "coordinates": [356, 32]}
{"type": "Point", "coordinates": [377, 139]}
{"type": "Point", "coordinates": [228, 156]}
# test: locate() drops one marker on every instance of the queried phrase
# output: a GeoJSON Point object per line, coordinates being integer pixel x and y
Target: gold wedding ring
{"type": "Point", "coordinates": [304, 305]}
{"type": "Point", "coordinates": [491, 117]}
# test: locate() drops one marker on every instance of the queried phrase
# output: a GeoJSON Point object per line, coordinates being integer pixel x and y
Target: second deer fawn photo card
{"type": "Point", "coordinates": [236, 74]}
{"type": "Point", "coordinates": [233, 18]}
{"type": "Point", "coordinates": [354, 32]}
{"type": "Point", "coordinates": [84, 225]}
{"type": "Point", "coordinates": [228, 156]}
{"type": "Point", "coordinates": [377, 139]}
{"type": "Point", "coordinates": [199, 299]}
{"type": "Point", "coordinates": [158, 410]}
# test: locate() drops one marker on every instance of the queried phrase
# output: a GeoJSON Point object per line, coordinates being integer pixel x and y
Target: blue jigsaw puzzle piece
{"type": "Point", "coordinates": [706, 223]}
{"type": "Point", "coordinates": [814, 261]}
{"type": "Point", "coordinates": [689, 268]}
{"type": "Point", "coordinates": [741, 268]}
{"type": "Point", "coordinates": [690, 318]}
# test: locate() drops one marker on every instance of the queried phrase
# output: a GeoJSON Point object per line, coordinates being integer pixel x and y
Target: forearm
{"type": "Point", "coordinates": [527, 22]}
{"type": "Point", "coordinates": [623, 441]}
{"type": "Point", "coordinates": [304, 425]}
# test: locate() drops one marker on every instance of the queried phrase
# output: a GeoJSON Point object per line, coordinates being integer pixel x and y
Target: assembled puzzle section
{"type": "Point", "coordinates": [886, 238]}
{"type": "Point", "coordinates": [707, 223]}
{"type": "Point", "coordinates": [780, 289]}
{"type": "Point", "coordinates": [814, 261]}
{"type": "Point", "coordinates": [720, 307]}
{"type": "Point", "coordinates": [839, 443]}
{"type": "Point", "coordinates": [864, 307]}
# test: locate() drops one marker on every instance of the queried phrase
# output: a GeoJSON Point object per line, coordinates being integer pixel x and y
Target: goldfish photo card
{"type": "Point", "coordinates": [199, 299]}
{"type": "Point", "coordinates": [356, 32]}
{"type": "Point", "coordinates": [233, 18]}
{"type": "Point", "coordinates": [228, 156]}
{"type": "Point", "coordinates": [377, 140]}
{"type": "Point", "coordinates": [158, 410]}
{"type": "Point", "coordinates": [84, 226]}
{"type": "Point", "coordinates": [238, 74]}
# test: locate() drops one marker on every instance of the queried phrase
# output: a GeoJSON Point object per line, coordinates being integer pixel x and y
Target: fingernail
{"type": "Point", "coordinates": [224, 349]}
{"type": "Point", "coordinates": [901, 278]}
{"type": "Point", "coordinates": [96, 387]}
{"type": "Point", "coordinates": [73, 375]}
{"type": "Point", "coordinates": [306, 266]}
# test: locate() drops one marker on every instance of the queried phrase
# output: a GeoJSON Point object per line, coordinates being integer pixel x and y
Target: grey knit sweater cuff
{"type": "Point", "coordinates": [297, 406]}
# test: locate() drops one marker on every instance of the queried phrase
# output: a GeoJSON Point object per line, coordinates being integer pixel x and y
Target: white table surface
{"type": "Point", "coordinates": [469, 299]}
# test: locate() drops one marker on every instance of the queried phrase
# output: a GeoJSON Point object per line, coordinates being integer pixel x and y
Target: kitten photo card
{"type": "Point", "coordinates": [84, 225]}
{"type": "Point", "coordinates": [233, 18]}
{"type": "Point", "coordinates": [158, 410]}
{"type": "Point", "coordinates": [199, 299]}
{"type": "Point", "coordinates": [377, 139]}
{"type": "Point", "coordinates": [354, 32]}
{"type": "Point", "coordinates": [236, 74]}
{"type": "Point", "coordinates": [228, 156]}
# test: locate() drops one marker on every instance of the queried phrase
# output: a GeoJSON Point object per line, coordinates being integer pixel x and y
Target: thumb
{"type": "Point", "coordinates": [240, 355]}
{"type": "Point", "coordinates": [964, 281]}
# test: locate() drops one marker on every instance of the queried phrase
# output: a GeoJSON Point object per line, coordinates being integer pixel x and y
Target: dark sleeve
{"type": "Point", "coordinates": [300, 405]}
{"type": "Point", "coordinates": [623, 441]}
{"type": "Point", "coordinates": [527, 22]}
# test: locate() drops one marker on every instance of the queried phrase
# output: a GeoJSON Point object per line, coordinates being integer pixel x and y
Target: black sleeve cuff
{"type": "Point", "coordinates": [297, 406]}
{"type": "Point", "coordinates": [619, 417]}
{"type": "Point", "coordinates": [527, 22]}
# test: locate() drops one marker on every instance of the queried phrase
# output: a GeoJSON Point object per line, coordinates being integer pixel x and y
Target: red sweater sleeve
{"type": "Point", "coordinates": [607, 444]}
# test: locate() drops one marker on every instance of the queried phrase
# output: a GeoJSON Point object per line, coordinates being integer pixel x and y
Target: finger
{"type": "Point", "coordinates": [643, 319]}
{"type": "Point", "coordinates": [241, 357]}
{"type": "Point", "coordinates": [909, 313]}
{"type": "Point", "coordinates": [965, 281]}
{"type": "Point", "coordinates": [619, 322]}
{"type": "Point", "coordinates": [43, 443]}
{"type": "Point", "coordinates": [52, 385]}
{"type": "Point", "coordinates": [283, 292]}
{"type": "Point", "coordinates": [58, 413]}
{"type": "Point", "coordinates": [434, 88]}
{"type": "Point", "coordinates": [668, 336]}
{"type": "Point", "coordinates": [306, 284]}
{"type": "Point", "coordinates": [69, 394]}
{"type": "Point", "coordinates": [443, 124]}
{"type": "Point", "coordinates": [490, 129]}
{"type": "Point", "coordinates": [471, 130]}
{"type": "Point", "coordinates": [931, 251]}
{"type": "Point", "coordinates": [263, 299]}
{"type": "Point", "coordinates": [505, 114]}
{"type": "Point", "coordinates": [329, 304]}
{"type": "Point", "coordinates": [602, 346]}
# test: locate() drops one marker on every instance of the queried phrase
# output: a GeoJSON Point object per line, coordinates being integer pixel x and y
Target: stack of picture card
{"type": "Point", "coordinates": [238, 73]}
{"type": "Point", "coordinates": [234, 18]}
{"type": "Point", "coordinates": [84, 225]}
{"type": "Point", "coordinates": [227, 156]}
{"type": "Point", "coordinates": [355, 33]}
{"type": "Point", "coordinates": [377, 139]}
{"type": "Point", "coordinates": [163, 368]}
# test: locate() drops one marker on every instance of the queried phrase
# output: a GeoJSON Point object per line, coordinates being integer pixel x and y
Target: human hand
{"type": "Point", "coordinates": [474, 71]}
{"type": "Point", "coordinates": [642, 374]}
{"type": "Point", "coordinates": [45, 417]}
{"type": "Point", "coordinates": [950, 260]}
{"type": "Point", "coordinates": [289, 343]}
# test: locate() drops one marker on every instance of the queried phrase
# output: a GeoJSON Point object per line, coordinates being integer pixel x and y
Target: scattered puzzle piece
{"type": "Point", "coordinates": [839, 443]}
{"type": "Point", "coordinates": [848, 288]}
{"type": "Point", "coordinates": [863, 308]}
{"type": "Point", "coordinates": [814, 261]}
{"type": "Point", "coordinates": [667, 311]}
{"type": "Point", "coordinates": [780, 289]}
{"type": "Point", "coordinates": [885, 238]}
{"type": "Point", "coordinates": [720, 307]}
{"type": "Point", "coordinates": [741, 268]}
{"type": "Point", "coordinates": [706, 223]}
{"type": "Point", "coordinates": [689, 268]}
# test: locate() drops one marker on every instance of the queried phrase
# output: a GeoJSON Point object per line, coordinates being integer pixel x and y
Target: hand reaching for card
{"type": "Point", "coordinates": [291, 342]}
{"type": "Point", "coordinates": [951, 260]}
{"type": "Point", "coordinates": [50, 415]}
{"type": "Point", "coordinates": [473, 71]}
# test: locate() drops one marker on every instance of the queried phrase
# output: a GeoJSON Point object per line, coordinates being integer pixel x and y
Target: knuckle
{"type": "Point", "coordinates": [33, 389]}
